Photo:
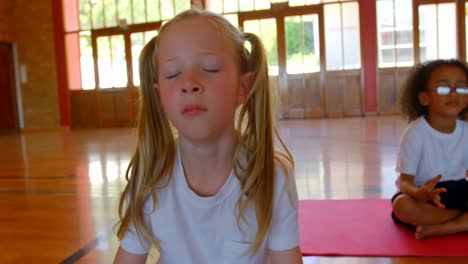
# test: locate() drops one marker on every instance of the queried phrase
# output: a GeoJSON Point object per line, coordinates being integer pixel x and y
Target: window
{"type": "Point", "coordinates": [302, 44]}
{"type": "Point", "coordinates": [266, 30]}
{"type": "Point", "coordinates": [114, 20]}
{"type": "Point", "coordinates": [437, 31]}
{"type": "Point", "coordinates": [342, 36]}
{"type": "Point", "coordinates": [395, 33]}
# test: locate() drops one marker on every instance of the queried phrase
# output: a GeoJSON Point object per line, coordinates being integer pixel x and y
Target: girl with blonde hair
{"type": "Point", "coordinates": [217, 190]}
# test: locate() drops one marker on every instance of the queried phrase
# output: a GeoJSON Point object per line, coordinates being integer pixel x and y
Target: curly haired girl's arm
{"type": "Point", "coordinates": [406, 184]}
{"type": "Point", "coordinates": [425, 192]}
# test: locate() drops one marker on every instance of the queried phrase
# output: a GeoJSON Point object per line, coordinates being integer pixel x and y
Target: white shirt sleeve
{"type": "Point", "coordinates": [130, 242]}
{"type": "Point", "coordinates": [409, 152]}
{"type": "Point", "coordinates": [284, 231]}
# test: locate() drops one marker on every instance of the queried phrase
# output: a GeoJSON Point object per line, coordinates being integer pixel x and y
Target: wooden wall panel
{"type": "Point", "coordinates": [343, 93]}
{"type": "Point", "coordinates": [83, 109]}
{"type": "Point", "coordinates": [302, 95]}
{"type": "Point", "coordinates": [104, 108]}
{"type": "Point", "coordinates": [390, 82]}
{"type": "Point", "coordinates": [352, 95]}
{"type": "Point", "coordinates": [312, 95]}
{"type": "Point", "coordinates": [122, 109]}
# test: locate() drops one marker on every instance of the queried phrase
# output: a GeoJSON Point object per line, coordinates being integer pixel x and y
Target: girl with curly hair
{"type": "Point", "coordinates": [433, 154]}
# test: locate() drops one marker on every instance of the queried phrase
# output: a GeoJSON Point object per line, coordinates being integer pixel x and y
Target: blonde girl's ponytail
{"type": "Point", "coordinates": [154, 156]}
{"type": "Point", "coordinates": [256, 136]}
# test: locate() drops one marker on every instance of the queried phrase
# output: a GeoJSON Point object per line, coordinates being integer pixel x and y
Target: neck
{"type": "Point", "coordinates": [442, 124]}
{"type": "Point", "coordinates": [207, 165]}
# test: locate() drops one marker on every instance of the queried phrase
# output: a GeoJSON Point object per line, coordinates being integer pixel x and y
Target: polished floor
{"type": "Point", "coordinates": [59, 190]}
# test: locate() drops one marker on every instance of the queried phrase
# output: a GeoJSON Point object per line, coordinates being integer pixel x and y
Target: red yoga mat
{"type": "Point", "coordinates": [365, 228]}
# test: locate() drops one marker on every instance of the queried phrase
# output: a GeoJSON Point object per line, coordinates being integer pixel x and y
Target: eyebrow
{"type": "Point", "coordinates": [204, 53]}
{"type": "Point", "coordinates": [172, 59]}
{"type": "Point", "coordinates": [448, 81]}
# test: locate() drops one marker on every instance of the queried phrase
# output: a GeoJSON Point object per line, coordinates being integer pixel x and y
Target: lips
{"type": "Point", "coordinates": [193, 110]}
{"type": "Point", "coordinates": [452, 103]}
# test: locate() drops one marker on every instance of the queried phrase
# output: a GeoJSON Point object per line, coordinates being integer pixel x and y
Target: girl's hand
{"type": "Point", "coordinates": [427, 191]}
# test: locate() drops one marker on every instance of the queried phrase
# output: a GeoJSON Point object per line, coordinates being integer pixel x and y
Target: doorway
{"type": "Point", "coordinates": [294, 45]}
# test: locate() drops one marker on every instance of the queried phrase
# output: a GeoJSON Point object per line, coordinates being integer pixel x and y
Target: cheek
{"type": "Point", "coordinates": [167, 97]}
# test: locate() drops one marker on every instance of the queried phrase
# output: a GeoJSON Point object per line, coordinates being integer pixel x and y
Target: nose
{"type": "Point", "coordinates": [192, 89]}
{"type": "Point", "coordinates": [453, 91]}
{"type": "Point", "coordinates": [191, 83]}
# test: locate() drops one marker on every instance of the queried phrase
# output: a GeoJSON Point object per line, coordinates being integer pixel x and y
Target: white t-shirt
{"type": "Point", "coordinates": [194, 229]}
{"type": "Point", "coordinates": [426, 152]}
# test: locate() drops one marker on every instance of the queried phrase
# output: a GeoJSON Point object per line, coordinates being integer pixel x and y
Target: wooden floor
{"type": "Point", "coordinates": [58, 190]}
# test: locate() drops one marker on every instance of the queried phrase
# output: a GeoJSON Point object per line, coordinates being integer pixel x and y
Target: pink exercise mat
{"type": "Point", "coordinates": [365, 228]}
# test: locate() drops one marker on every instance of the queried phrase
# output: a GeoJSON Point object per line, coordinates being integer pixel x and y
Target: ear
{"type": "Point", "coordinates": [156, 88]}
{"type": "Point", "coordinates": [423, 98]}
{"type": "Point", "coordinates": [245, 87]}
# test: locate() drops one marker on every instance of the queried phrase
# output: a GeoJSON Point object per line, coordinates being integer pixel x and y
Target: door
{"type": "Point", "coordinates": [116, 75]}
{"type": "Point", "coordinates": [292, 40]}
{"type": "Point", "coordinates": [8, 113]}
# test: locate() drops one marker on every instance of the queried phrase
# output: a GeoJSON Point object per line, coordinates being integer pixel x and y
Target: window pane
{"type": "Point", "coordinates": [296, 2]}
{"type": "Point", "coordinates": [293, 32]}
{"type": "Point", "coordinates": [386, 33]}
{"type": "Point", "coordinates": [139, 11]}
{"type": "Point", "coordinates": [404, 33]}
{"type": "Point", "coordinates": [119, 64]}
{"type": "Point", "coordinates": [86, 61]}
{"type": "Point", "coordinates": [299, 33]}
{"type": "Point", "coordinates": [270, 41]}
{"type": "Point", "coordinates": [85, 15]}
{"type": "Point", "coordinates": [246, 5]}
{"type": "Point", "coordinates": [230, 6]}
{"type": "Point", "coordinates": [305, 2]}
{"type": "Point", "coordinates": [437, 37]}
{"type": "Point", "coordinates": [152, 10]}
{"type": "Point", "coordinates": [125, 11]}
{"type": "Point", "coordinates": [167, 9]}
{"type": "Point", "coordinates": [333, 37]}
{"type": "Point", "coordinates": [405, 56]}
{"type": "Point", "coordinates": [216, 6]}
{"type": "Point", "coordinates": [98, 14]}
{"type": "Point", "coordinates": [181, 5]}
{"type": "Point", "coordinates": [138, 40]}
{"type": "Point", "coordinates": [427, 32]}
{"type": "Point", "coordinates": [351, 51]}
{"type": "Point", "coordinates": [311, 51]}
{"type": "Point", "coordinates": [137, 46]}
{"type": "Point", "coordinates": [104, 62]}
{"type": "Point", "coordinates": [266, 30]}
{"type": "Point", "coordinates": [111, 13]}
{"type": "Point", "coordinates": [262, 4]}
{"type": "Point", "coordinates": [233, 19]}
{"type": "Point", "coordinates": [252, 26]}
{"type": "Point", "coordinates": [447, 31]}
{"type": "Point", "coordinates": [111, 62]}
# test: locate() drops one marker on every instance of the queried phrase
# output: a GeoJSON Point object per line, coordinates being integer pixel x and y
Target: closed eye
{"type": "Point", "coordinates": [211, 70]}
{"type": "Point", "coordinates": [172, 76]}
